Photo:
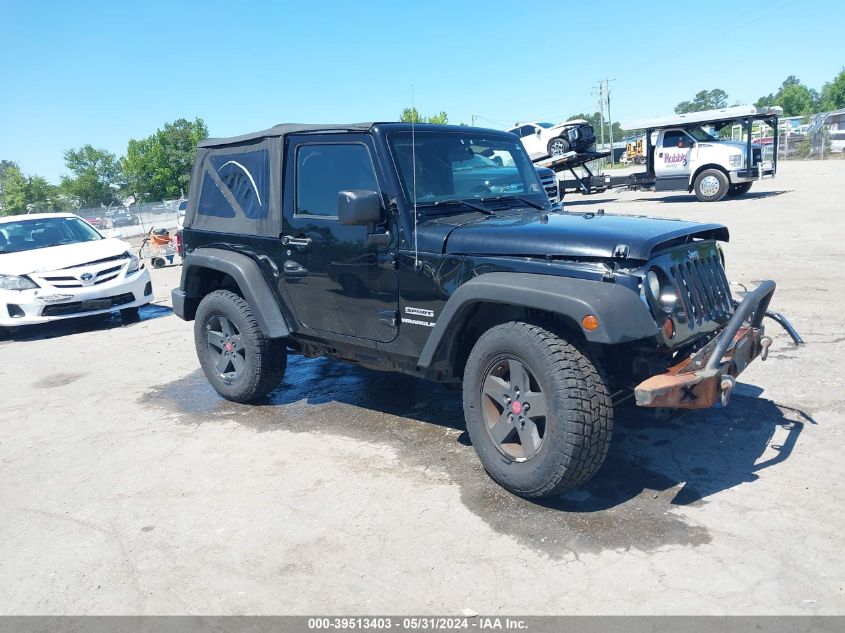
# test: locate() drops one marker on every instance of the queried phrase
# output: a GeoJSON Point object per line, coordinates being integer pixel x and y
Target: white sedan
{"type": "Point", "coordinates": [57, 266]}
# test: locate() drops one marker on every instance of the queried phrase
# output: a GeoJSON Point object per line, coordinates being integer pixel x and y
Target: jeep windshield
{"type": "Point", "coordinates": [463, 166]}
{"type": "Point", "coordinates": [27, 235]}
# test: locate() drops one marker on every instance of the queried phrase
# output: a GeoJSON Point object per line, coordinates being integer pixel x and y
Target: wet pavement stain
{"type": "Point", "coordinates": [56, 380]}
{"type": "Point", "coordinates": [653, 469]}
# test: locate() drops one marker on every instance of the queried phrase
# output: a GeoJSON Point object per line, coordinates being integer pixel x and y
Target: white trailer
{"type": "Point", "coordinates": [682, 156]}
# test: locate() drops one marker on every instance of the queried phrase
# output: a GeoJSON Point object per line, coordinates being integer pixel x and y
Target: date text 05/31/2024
{"type": "Point", "coordinates": [429, 623]}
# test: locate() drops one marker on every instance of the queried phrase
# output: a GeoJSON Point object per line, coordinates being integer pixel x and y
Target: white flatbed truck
{"type": "Point", "coordinates": [682, 156]}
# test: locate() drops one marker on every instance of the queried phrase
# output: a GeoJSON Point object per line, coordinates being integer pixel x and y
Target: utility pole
{"type": "Point", "coordinates": [600, 93]}
{"type": "Point", "coordinates": [603, 92]}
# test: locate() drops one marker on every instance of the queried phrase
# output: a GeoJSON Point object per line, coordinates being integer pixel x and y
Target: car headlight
{"type": "Point", "coordinates": [661, 289]}
{"type": "Point", "coordinates": [14, 282]}
{"type": "Point", "coordinates": [735, 160]}
{"type": "Point", "coordinates": [573, 134]}
{"type": "Point", "coordinates": [134, 263]}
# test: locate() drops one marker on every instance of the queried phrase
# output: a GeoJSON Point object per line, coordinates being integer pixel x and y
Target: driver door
{"type": "Point", "coordinates": [674, 155]}
{"type": "Point", "coordinates": [336, 280]}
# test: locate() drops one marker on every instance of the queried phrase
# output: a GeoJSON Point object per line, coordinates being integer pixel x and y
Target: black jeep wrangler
{"type": "Point", "coordinates": [434, 251]}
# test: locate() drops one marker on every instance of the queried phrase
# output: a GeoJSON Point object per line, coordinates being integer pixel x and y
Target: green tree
{"type": "Point", "coordinates": [159, 166]}
{"type": "Point", "coordinates": [794, 97]}
{"type": "Point", "coordinates": [833, 94]}
{"type": "Point", "coordinates": [411, 115]}
{"type": "Point", "coordinates": [5, 167]}
{"type": "Point", "coordinates": [94, 172]}
{"type": "Point", "coordinates": [14, 190]}
{"type": "Point", "coordinates": [41, 195]}
{"type": "Point", "coordinates": [704, 100]}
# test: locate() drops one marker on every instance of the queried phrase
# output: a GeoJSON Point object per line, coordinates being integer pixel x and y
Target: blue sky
{"type": "Point", "coordinates": [84, 72]}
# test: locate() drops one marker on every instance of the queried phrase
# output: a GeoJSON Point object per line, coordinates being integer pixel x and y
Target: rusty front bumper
{"type": "Point", "coordinates": [709, 375]}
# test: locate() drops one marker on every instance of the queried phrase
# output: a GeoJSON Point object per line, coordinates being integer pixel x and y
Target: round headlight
{"type": "Point", "coordinates": [653, 282]}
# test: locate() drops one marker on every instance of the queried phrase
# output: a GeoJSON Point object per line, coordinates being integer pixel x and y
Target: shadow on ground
{"type": "Point", "coordinates": [748, 197]}
{"type": "Point", "coordinates": [77, 325]}
{"type": "Point", "coordinates": [653, 466]}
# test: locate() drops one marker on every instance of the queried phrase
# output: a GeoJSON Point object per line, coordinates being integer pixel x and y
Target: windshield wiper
{"type": "Point", "coordinates": [451, 203]}
{"type": "Point", "coordinates": [530, 203]}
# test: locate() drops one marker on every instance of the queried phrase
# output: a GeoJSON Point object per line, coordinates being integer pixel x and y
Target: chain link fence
{"type": "Point", "coordinates": [135, 219]}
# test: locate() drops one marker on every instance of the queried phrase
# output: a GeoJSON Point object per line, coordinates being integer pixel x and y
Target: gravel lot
{"type": "Point", "coordinates": [129, 487]}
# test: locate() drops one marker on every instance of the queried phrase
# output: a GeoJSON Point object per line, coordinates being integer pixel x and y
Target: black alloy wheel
{"type": "Point", "coordinates": [514, 409]}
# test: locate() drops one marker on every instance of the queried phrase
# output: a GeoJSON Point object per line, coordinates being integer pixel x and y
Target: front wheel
{"type": "Point", "coordinates": [558, 146]}
{"type": "Point", "coordinates": [740, 189]}
{"type": "Point", "coordinates": [711, 185]}
{"type": "Point", "coordinates": [240, 362]}
{"type": "Point", "coordinates": [537, 410]}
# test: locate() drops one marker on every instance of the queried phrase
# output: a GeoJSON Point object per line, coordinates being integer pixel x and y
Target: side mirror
{"type": "Point", "coordinates": [358, 207]}
{"type": "Point", "coordinates": [537, 131]}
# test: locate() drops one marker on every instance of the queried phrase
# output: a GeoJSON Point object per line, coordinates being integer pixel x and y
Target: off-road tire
{"type": "Point", "coordinates": [711, 185]}
{"type": "Point", "coordinates": [564, 143]}
{"type": "Point", "coordinates": [264, 359]}
{"type": "Point", "coordinates": [740, 189]}
{"type": "Point", "coordinates": [579, 415]}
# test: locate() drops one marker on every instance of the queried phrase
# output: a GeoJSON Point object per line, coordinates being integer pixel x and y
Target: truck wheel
{"type": "Point", "coordinates": [558, 146]}
{"type": "Point", "coordinates": [740, 189]}
{"type": "Point", "coordinates": [711, 185]}
{"type": "Point", "coordinates": [239, 361]}
{"type": "Point", "coordinates": [537, 410]}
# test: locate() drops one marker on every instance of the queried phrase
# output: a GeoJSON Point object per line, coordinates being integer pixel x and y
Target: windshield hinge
{"type": "Point", "coordinates": [621, 251]}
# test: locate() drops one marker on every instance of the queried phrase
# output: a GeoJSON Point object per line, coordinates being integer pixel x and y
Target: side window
{"type": "Point", "coordinates": [324, 169]}
{"type": "Point", "coordinates": [246, 176]}
{"type": "Point", "coordinates": [676, 139]}
{"type": "Point", "coordinates": [526, 130]}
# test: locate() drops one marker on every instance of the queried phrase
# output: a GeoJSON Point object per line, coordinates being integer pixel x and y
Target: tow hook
{"type": "Point", "coordinates": [765, 342]}
{"type": "Point", "coordinates": [726, 386]}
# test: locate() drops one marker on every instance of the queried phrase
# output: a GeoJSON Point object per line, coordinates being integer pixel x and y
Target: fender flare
{"type": "Point", "coordinates": [251, 282]}
{"type": "Point", "coordinates": [621, 313]}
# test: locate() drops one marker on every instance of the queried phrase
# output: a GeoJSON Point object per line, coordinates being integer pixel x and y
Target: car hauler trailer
{"type": "Point", "coordinates": [586, 183]}
{"type": "Point", "coordinates": [682, 156]}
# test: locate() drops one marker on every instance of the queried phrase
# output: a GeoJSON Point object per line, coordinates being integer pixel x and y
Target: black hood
{"type": "Point", "coordinates": [575, 235]}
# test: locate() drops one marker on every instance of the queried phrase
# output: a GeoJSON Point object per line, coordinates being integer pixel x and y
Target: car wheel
{"type": "Point", "coordinates": [711, 185]}
{"type": "Point", "coordinates": [240, 362]}
{"type": "Point", "coordinates": [537, 410]}
{"type": "Point", "coordinates": [740, 189]}
{"type": "Point", "coordinates": [558, 146]}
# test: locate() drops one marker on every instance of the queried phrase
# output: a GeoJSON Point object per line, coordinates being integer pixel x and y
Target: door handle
{"type": "Point", "coordinates": [290, 240]}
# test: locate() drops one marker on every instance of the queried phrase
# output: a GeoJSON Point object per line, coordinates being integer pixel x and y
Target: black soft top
{"type": "Point", "coordinates": [284, 129]}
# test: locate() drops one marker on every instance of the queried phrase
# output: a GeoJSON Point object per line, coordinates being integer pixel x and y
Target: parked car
{"type": "Point", "coordinates": [56, 266]}
{"type": "Point", "coordinates": [434, 250]}
{"type": "Point", "coordinates": [549, 139]}
{"type": "Point", "coordinates": [125, 218]}
{"type": "Point", "coordinates": [95, 218]}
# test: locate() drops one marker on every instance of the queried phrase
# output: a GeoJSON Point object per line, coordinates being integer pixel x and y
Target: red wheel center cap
{"type": "Point", "coordinates": [229, 347]}
{"type": "Point", "coordinates": [516, 407]}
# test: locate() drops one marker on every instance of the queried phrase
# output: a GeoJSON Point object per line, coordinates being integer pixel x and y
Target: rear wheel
{"type": "Point", "coordinates": [537, 410]}
{"type": "Point", "coordinates": [240, 362]}
{"type": "Point", "coordinates": [711, 185]}
{"type": "Point", "coordinates": [740, 189]}
{"type": "Point", "coordinates": [558, 146]}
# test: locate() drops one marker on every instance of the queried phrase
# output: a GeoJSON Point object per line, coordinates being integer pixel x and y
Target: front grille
{"type": "Point", "coordinates": [78, 307]}
{"type": "Point", "coordinates": [550, 187]}
{"type": "Point", "coordinates": [703, 289]}
{"type": "Point", "coordinates": [72, 282]}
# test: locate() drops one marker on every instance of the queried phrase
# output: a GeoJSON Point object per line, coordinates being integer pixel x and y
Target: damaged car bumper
{"type": "Point", "coordinates": [707, 377]}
